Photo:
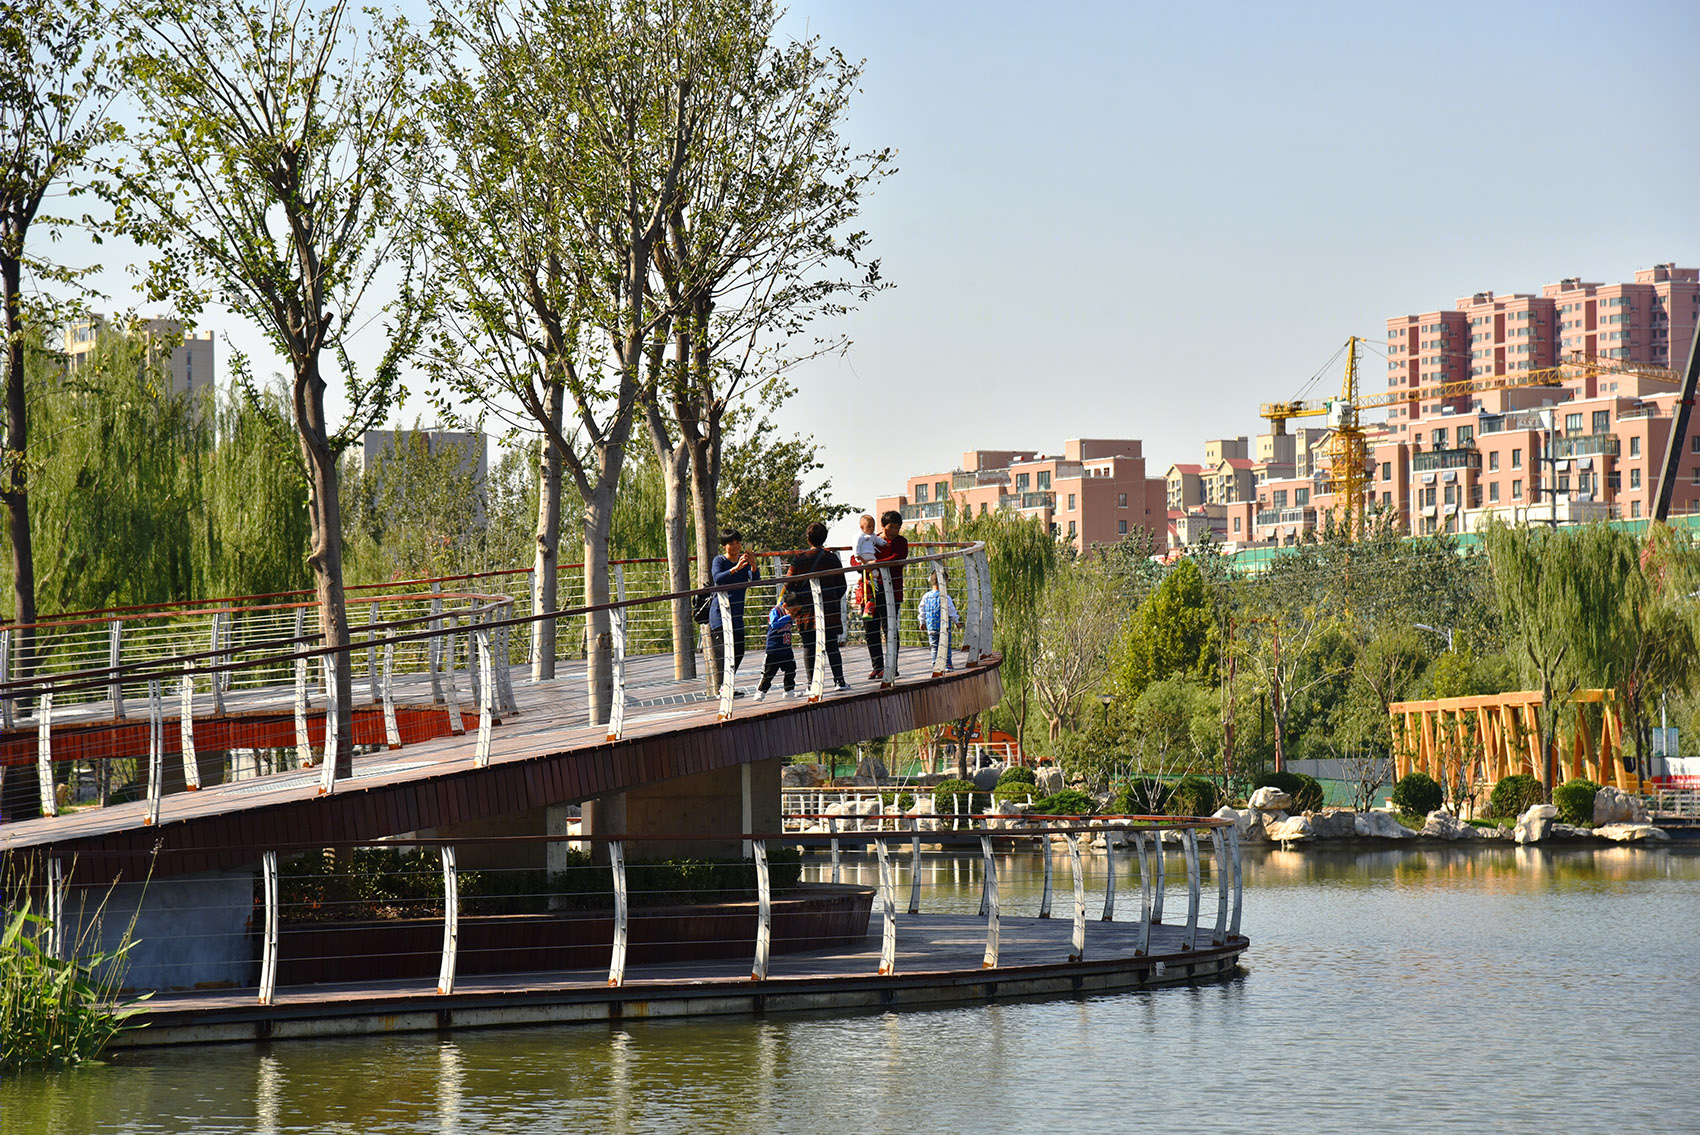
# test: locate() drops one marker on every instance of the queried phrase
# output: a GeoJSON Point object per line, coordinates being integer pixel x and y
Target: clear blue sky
{"type": "Point", "coordinates": [1127, 220]}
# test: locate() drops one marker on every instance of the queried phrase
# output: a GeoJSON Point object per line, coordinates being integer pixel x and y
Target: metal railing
{"type": "Point", "coordinates": [1587, 445]}
{"type": "Point", "coordinates": [1438, 459]}
{"type": "Point", "coordinates": [244, 684]}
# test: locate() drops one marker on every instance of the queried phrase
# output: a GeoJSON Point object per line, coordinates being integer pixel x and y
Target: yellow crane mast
{"type": "Point", "coordinates": [1348, 449]}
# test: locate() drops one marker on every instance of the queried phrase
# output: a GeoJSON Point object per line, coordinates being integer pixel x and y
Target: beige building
{"type": "Point", "coordinates": [191, 360]}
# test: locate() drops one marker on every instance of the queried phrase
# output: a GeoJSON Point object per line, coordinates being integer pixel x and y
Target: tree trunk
{"type": "Point", "coordinates": [674, 461]}
{"type": "Point", "coordinates": [19, 793]}
{"type": "Point", "coordinates": [545, 570]}
{"type": "Point", "coordinates": [324, 510]}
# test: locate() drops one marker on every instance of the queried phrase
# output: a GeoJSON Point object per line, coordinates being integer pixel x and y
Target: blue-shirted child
{"type": "Point", "coordinates": [937, 614]}
{"type": "Point", "coordinates": [779, 654]}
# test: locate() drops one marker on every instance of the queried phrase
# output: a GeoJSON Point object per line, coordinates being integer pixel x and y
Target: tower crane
{"type": "Point", "coordinates": [1348, 449]}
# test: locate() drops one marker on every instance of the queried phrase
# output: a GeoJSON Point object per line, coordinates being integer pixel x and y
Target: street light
{"type": "Point", "coordinates": [1105, 700]}
{"type": "Point", "coordinates": [1445, 632]}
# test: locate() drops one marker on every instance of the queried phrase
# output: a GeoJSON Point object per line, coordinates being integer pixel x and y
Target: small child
{"type": "Point", "coordinates": [779, 654]}
{"type": "Point", "coordinates": [869, 544]}
{"type": "Point", "coordinates": [936, 622]}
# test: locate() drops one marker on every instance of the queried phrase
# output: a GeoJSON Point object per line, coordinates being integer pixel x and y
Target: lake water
{"type": "Point", "coordinates": [1496, 989]}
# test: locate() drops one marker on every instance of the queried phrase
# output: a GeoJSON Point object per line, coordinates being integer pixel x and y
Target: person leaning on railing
{"type": "Point", "coordinates": [799, 597]}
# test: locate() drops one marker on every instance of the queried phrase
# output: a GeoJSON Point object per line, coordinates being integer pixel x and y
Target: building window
{"type": "Point", "coordinates": [941, 491]}
{"type": "Point", "coordinates": [1121, 500]}
{"type": "Point", "coordinates": [1517, 490]}
{"type": "Point", "coordinates": [1634, 447]}
{"type": "Point", "coordinates": [982, 508]}
{"type": "Point", "coordinates": [1071, 530]}
{"type": "Point", "coordinates": [1071, 502]}
{"type": "Point", "coordinates": [1602, 421]}
{"type": "Point", "coordinates": [1564, 482]}
{"type": "Point", "coordinates": [1493, 462]}
{"type": "Point", "coordinates": [1493, 491]}
{"type": "Point", "coordinates": [1694, 444]}
{"type": "Point", "coordinates": [1387, 470]}
{"type": "Point", "coordinates": [1584, 482]}
{"type": "Point", "coordinates": [921, 493]}
{"type": "Point", "coordinates": [1466, 436]}
{"type": "Point", "coordinates": [1516, 458]}
{"type": "Point", "coordinates": [1451, 494]}
{"type": "Point", "coordinates": [1121, 527]}
{"type": "Point", "coordinates": [1634, 508]}
{"type": "Point", "coordinates": [1054, 531]}
{"type": "Point", "coordinates": [1021, 482]}
{"type": "Point", "coordinates": [1439, 438]}
{"type": "Point", "coordinates": [1236, 524]}
{"type": "Point", "coordinates": [1573, 423]}
{"type": "Point", "coordinates": [1301, 497]}
{"type": "Point", "coordinates": [1044, 480]}
{"type": "Point", "coordinates": [1278, 499]}
{"type": "Point", "coordinates": [1635, 478]}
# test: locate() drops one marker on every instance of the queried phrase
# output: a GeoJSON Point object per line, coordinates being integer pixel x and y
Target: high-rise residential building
{"type": "Point", "coordinates": [191, 360]}
{"type": "Point", "coordinates": [1096, 492]}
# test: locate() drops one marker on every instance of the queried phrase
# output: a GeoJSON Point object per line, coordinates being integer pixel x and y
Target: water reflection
{"type": "Point", "coordinates": [1408, 989]}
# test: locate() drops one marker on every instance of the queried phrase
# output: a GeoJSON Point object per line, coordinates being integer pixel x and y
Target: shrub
{"type": "Point", "coordinates": [1068, 802]}
{"type": "Point", "coordinates": [1017, 774]}
{"type": "Point", "coordinates": [1306, 791]}
{"type": "Point", "coordinates": [54, 1012]}
{"type": "Point", "coordinates": [1417, 794]}
{"type": "Point", "coordinates": [954, 795]}
{"type": "Point", "coordinates": [1575, 801]}
{"type": "Point", "coordinates": [1142, 798]}
{"type": "Point", "coordinates": [1194, 796]}
{"type": "Point", "coordinates": [1514, 794]}
{"type": "Point", "coordinates": [1019, 791]}
{"type": "Point", "coordinates": [902, 801]}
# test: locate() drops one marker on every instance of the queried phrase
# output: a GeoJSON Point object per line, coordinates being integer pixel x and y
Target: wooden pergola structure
{"type": "Point", "coordinates": [1477, 741]}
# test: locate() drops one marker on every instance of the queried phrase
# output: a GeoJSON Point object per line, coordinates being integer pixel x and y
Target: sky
{"type": "Point", "coordinates": [1131, 220]}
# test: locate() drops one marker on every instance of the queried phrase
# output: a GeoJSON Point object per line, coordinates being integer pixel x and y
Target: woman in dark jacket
{"type": "Point", "coordinates": [800, 599]}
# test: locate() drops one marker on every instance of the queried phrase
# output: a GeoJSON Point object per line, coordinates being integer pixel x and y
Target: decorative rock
{"type": "Point", "coordinates": [1242, 820]}
{"type": "Point", "coordinates": [802, 776]}
{"type": "Point", "coordinates": [1535, 824]}
{"type": "Point", "coordinates": [1444, 825]}
{"type": "Point", "coordinates": [1380, 825]}
{"type": "Point", "coordinates": [873, 768]}
{"type": "Point", "coordinates": [1630, 833]}
{"type": "Point", "coordinates": [1570, 831]}
{"type": "Point", "coordinates": [1289, 830]}
{"type": "Point", "coordinates": [1270, 799]}
{"type": "Point", "coordinates": [986, 779]}
{"type": "Point", "coordinates": [1334, 823]}
{"type": "Point", "coordinates": [1615, 806]}
{"type": "Point", "coordinates": [1050, 780]}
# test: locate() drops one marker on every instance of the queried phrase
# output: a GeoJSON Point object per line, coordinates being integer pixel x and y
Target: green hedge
{"type": "Point", "coordinates": [1018, 791]}
{"type": "Point", "coordinates": [1417, 794]}
{"type": "Point", "coordinates": [1068, 802]}
{"type": "Point", "coordinates": [1575, 801]}
{"type": "Point", "coordinates": [902, 801]}
{"type": "Point", "coordinates": [1306, 791]}
{"type": "Point", "coordinates": [1017, 774]}
{"type": "Point", "coordinates": [1142, 798]}
{"type": "Point", "coordinates": [948, 793]}
{"type": "Point", "coordinates": [1194, 796]}
{"type": "Point", "coordinates": [1514, 795]}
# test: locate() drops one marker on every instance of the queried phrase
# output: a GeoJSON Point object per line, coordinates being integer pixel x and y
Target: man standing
{"type": "Point", "coordinates": [732, 566]}
{"type": "Point", "coordinates": [874, 623]}
{"type": "Point", "coordinates": [801, 599]}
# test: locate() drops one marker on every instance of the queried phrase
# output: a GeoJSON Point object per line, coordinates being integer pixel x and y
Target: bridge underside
{"type": "Point", "coordinates": [548, 754]}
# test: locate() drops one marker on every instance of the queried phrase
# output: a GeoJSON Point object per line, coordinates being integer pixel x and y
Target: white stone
{"type": "Point", "coordinates": [1270, 799]}
{"type": "Point", "coordinates": [1444, 825]}
{"type": "Point", "coordinates": [1288, 830]}
{"type": "Point", "coordinates": [1242, 820]}
{"type": "Point", "coordinates": [1049, 780]}
{"type": "Point", "coordinates": [1334, 823]}
{"type": "Point", "coordinates": [1380, 825]}
{"type": "Point", "coordinates": [1611, 806]}
{"type": "Point", "coordinates": [1535, 824]}
{"type": "Point", "coordinates": [1630, 833]}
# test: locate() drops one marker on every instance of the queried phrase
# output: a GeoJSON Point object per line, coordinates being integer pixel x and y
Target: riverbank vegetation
{"type": "Point", "coordinates": [55, 1010]}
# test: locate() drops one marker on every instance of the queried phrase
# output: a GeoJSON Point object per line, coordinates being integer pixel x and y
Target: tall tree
{"type": "Point", "coordinates": [1080, 616]}
{"type": "Point", "coordinates": [546, 216]}
{"type": "Point", "coordinates": [55, 91]}
{"type": "Point", "coordinates": [273, 167]}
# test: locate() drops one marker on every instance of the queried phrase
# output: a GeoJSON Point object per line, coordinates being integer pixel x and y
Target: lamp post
{"type": "Point", "coordinates": [1445, 632]}
{"type": "Point", "coordinates": [1105, 700]}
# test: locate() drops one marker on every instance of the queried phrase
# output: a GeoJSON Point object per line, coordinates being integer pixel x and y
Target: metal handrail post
{"type": "Point", "coordinates": [990, 961]}
{"type": "Point", "coordinates": [1219, 865]}
{"type": "Point", "coordinates": [1078, 942]}
{"type": "Point", "coordinates": [728, 652]}
{"type": "Point", "coordinates": [1144, 895]}
{"type": "Point", "coordinates": [622, 903]}
{"type": "Point", "coordinates": [1189, 841]}
{"type": "Point", "coordinates": [268, 949]}
{"type": "Point", "coordinates": [764, 913]}
{"type": "Point", "coordinates": [817, 675]}
{"type": "Point", "coordinates": [914, 865]}
{"type": "Point", "coordinates": [1158, 876]}
{"type": "Point", "coordinates": [392, 728]}
{"type": "Point", "coordinates": [186, 729]}
{"type": "Point", "coordinates": [1109, 876]}
{"type": "Point", "coordinates": [156, 754]}
{"type": "Point", "coordinates": [333, 724]}
{"type": "Point", "coordinates": [44, 753]}
{"type": "Point", "coordinates": [888, 907]}
{"type": "Point", "coordinates": [1239, 890]}
{"type": "Point", "coordinates": [1045, 896]}
{"type": "Point", "coordinates": [451, 921]}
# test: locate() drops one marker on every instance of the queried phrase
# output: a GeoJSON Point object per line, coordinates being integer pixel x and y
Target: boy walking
{"type": "Point", "coordinates": [780, 656]}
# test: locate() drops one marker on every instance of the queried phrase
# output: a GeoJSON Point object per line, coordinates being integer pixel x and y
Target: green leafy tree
{"type": "Point", "coordinates": [1080, 616]}
{"type": "Point", "coordinates": [762, 489]}
{"type": "Point", "coordinates": [1172, 635]}
{"type": "Point", "coordinates": [413, 512]}
{"type": "Point", "coordinates": [273, 166]}
{"type": "Point", "coordinates": [256, 498]}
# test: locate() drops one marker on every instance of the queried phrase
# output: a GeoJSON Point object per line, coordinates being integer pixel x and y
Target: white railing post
{"type": "Point", "coordinates": [44, 753]}
{"type": "Point", "coordinates": [617, 712]}
{"type": "Point", "coordinates": [451, 921]}
{"type": "Point", "coordinates": [450, 686]}
{"type": "Point", "coordinates": [817, 676]}
{"type": "Point", "coordinates": [914, 865]}
{"type": "Point", "coordinates": [832, 828]}
{"type": "Point", "coordinates": [114, 658]}
{"type": "Point", "coordinates": [1158, 876]}
{"type": "Point", "coordinates": [622, 901]}
{"type": "Point", "coordinates": [990, 961]}
{"type": "Point", "coordinates": [220, 678]}
{"type": "Point", "coordinates": [941, 650]}
{"type": "Point", "coordinates": [57, 941]}
{"type": "Point", "coordinates": [1219, 862]}
{"type": "Point", "coordinates": [1189, 841]}
{"type": "Point", "coordinates": [186, 729]}
{"type": "Point", "coordinates": [333, 741]}
{"type": "Point", "coordinates": [372, 679]}
{"type": "Point", "coordinates": [893, 627]}
{"type": "Point", "coordinates": [888, 907]}
{"type": "Point", "coordinates": [268, 950]}
{"type": "Point", "coordinates": [986, 875]}
{"type": "Point", "coordinates": [434, 645]}
{"type": "Point", "coordinates": [728, 654]}
{"type": "Point", "coordinates": [303, 741]}
{"type": "Point", "coordinates": [486, 711]}
{"type": "Point", "coordinates": [504, 671]}
{"type": "Point", "coordinates": [970, 612]}
{"type": "Point", "coordinates": [1109, 875]}
{"type": "Point", "coordinates": [1144, 896]}
{"type": "Point", "coordinates": [987, 624]}
{"type": "Point", "coordinates": [1045, 896]}
{"type": "Point", "coordinates": [1239, 892]}
{"type": "Point", "coordinates": [6, 676]}
{"type": "Point", "coordinates": [392, 727]}
{"type": "Point", "coordinates": [156, 753]}
{"type": "Point", "coordinates": [1078, 942]}
{"type": "Point", "coordinates": [764, 913]}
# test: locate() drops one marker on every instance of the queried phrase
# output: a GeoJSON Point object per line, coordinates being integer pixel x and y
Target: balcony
{"type": "Point", "coordinates": [933, 510]}
{"type": "Point", "coordinates": [1588, 445]}
{"type": "Point", "coordinates": [961, 481]}
{"type": "Point", "coordinates": [1037, 500]}
{"type": "Point", "coordinates": [1437, 459]}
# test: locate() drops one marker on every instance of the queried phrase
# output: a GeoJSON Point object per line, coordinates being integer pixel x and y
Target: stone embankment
{"type": "Point", "coordinates": [1618, 817]}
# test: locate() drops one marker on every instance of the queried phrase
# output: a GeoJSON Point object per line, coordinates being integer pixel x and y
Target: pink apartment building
{"type": "Point", "coordinates": [1096, 492]}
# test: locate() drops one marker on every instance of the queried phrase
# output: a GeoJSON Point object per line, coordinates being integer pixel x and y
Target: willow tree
{"type": "Point", "coordinates": [272, 167]}
{"type": "Point", "coordinates": [55, 90]}
{"type": "Point", "coordinates": [562, 126]}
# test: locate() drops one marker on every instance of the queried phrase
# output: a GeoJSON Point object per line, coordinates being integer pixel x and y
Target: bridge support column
{"type": "Point", "coordinates": [741, 799]}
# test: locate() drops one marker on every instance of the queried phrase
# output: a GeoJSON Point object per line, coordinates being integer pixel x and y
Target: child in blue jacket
{"type": "Point", "coordinates": [779, 654]}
